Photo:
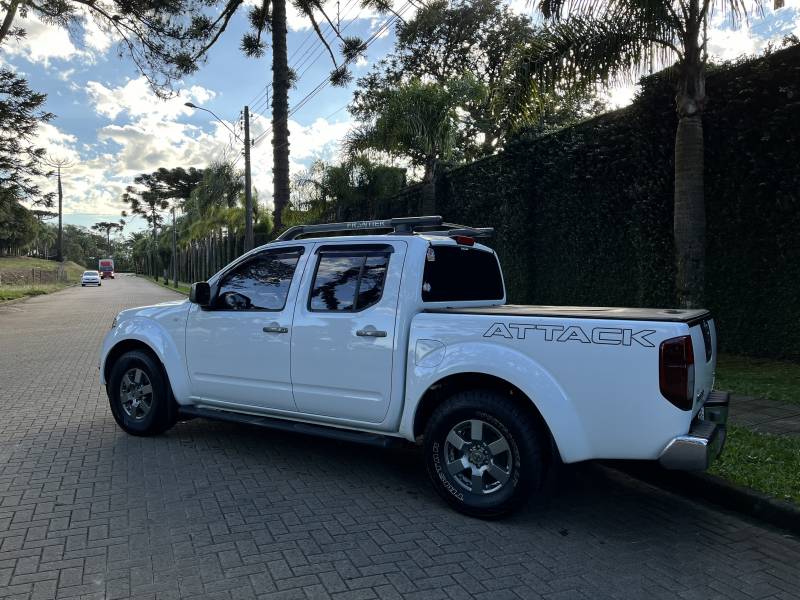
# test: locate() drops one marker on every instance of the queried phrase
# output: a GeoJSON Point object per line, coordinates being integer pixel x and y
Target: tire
{"type": "Point", "coordinates": [83, 285]}
{"type": "Point", "coordinates": [141, 411]}
{"type": "Point", "coordinates": [510, 446]}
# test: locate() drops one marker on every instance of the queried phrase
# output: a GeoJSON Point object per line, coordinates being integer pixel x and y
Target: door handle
{"type": "Point", "coordinates": [370, 333]}
{"type": "Point", "coordinates": [275, 329]}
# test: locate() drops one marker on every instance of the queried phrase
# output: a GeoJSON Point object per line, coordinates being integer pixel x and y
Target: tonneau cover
{"type": "Point", "coordinates": [676, 315]}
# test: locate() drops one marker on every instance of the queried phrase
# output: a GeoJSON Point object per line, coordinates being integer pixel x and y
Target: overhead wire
{"type": "Point", "coordinates": [261, 99]}
{"type": "Point", "coordinates": [324, 83]}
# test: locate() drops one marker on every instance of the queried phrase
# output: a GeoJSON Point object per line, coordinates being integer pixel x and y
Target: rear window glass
{"type": "Point", "coordinates": [348, 281]}
{"type": "Point", "coordinates": [460, 274]}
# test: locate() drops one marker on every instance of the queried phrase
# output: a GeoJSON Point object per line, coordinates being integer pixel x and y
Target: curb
{"type": "Point", "coordinates": [718, 491]}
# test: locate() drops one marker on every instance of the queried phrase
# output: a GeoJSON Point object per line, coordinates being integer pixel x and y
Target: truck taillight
{"type": "Point", "coordinates": [676, 371]}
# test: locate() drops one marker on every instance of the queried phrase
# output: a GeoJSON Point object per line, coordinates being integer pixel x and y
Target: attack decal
{"type": "Point", "coordinates": [607, 336]}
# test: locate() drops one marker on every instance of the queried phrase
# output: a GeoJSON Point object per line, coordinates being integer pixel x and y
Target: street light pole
{"type": "Point", "coordinates": [174, 250]}
{"type": "Point", "coordinates": [248, 194]}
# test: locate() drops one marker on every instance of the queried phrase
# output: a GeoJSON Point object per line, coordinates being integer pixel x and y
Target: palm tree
{"type": "Point", "coordinates": [419, 121]}
{"type": "Point", "coordinates": [590, 41]}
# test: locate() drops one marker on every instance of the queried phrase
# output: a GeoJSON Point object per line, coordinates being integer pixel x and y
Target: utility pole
{"type": "Point", "coordinates": [248, 213]}
{"type": "Point", "coordinates": [59, 164]}
{"type": "Point", "coordinates": [174, 250]}
{"type": "Point", "coordinates": [248, 194]}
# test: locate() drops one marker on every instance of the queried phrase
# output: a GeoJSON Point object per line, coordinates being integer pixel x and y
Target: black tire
{"type": "Point", "coordinates": [162, 412]}
{"type": "Point", "coordinates": [523, 464]}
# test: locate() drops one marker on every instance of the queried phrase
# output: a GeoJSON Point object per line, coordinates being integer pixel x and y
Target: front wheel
{"type": "Point", "coordinates": [139, 395]}
{"type": "Point", "coordinates": [483, 453]}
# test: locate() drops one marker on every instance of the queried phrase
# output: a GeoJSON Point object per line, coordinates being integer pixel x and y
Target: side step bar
{"type": "Point", "coordinates": [343, 435]}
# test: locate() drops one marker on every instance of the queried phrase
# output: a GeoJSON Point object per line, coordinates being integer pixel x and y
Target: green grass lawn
{"type": "Point", "coordinates": [763, 462]}
{"type": "Point", "coordinates": [759, 378]}
{"type": "Point", "coordinates": [12, 268]}
{"type": "Point", "coordinates": [12, 292]}
{"type": "Point", "coordinates": [183, 288]}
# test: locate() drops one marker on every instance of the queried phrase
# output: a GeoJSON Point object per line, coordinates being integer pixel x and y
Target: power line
{"type": "Point", "coordinates": [326, 30]}
{"type": "Point", "coordinates": [261, 99]}
{"type": "Point", "coordinates": [324, 83]}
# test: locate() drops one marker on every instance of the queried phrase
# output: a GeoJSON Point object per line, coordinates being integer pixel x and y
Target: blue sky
{"type": "Point", "coordinates": [112, 127]}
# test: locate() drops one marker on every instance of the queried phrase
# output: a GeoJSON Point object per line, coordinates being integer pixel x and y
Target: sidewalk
{"type": "Point", "coordinates": [765, 416]}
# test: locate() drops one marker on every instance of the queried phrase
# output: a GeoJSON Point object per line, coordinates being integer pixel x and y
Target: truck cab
{"type": "Point", "coordinates": [106, 268]}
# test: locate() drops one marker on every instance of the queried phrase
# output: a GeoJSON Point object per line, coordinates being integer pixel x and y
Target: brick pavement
{"type": "Point", "coordinates": [214, 510]}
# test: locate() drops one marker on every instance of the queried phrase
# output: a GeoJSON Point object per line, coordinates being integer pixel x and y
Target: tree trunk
{"type": "Point", "coordinates": [429, 187]}
{"type": "Point", "coordinates": [689, 223]}
{"type": "Point", "coordinates": [280, 113]}
{"type": "Point", "coordinates": [155, 260]}
{"type": "Point", "coordinates": [5, 27]}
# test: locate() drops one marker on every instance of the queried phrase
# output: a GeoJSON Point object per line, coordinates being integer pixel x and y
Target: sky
{"type": "Point", "coordinates": [111, 127]}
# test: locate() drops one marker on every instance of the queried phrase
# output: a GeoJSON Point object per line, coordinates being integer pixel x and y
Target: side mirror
{"type": "Point", "coordinates": [200, 293]}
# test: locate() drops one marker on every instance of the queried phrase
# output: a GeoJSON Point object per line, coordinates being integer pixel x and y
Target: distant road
{"type": "Point", "coordinates": [213, 510]}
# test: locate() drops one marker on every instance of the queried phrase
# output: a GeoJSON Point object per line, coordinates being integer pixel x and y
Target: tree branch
{"type": "Point", "coordinates": [9, 19]}
{"type": "Point", "coordinates": [310, 14]}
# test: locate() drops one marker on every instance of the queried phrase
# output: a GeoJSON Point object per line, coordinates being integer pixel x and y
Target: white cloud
{"type": "Point", "coordinates": [154, 134]}
{"type": "Point", "coordinates": [43, 42]}
{"type": "Point", "coordinates": [97, 35]}
{"type": "Point", "coordinates": [318, 140]}
{"type": "Point", "coordinates": [138, 100]}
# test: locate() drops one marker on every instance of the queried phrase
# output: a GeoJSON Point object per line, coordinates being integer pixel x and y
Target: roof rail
{"type": "Point", "coordinates": [399, 226]}
{"type": "Point", "coordinates": [450, 229]}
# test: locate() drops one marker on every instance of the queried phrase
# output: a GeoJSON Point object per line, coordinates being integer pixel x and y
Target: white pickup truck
{"type": "Point", "coordinates": [406, 336]}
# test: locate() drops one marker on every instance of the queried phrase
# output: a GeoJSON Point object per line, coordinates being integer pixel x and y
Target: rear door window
{"type": "Point", "coordinates": [461, 274]}
{"type": "Point", "coordinates": [348, 280]}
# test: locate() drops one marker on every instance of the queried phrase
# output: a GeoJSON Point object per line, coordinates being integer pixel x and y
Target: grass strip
{"type": "Point", "coordinates": [761, 461]}
{"type": "Point", "coordinates": [759, 378]}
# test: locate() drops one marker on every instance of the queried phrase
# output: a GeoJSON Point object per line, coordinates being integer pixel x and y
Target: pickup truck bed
{"type": "Point", "coordinates": [671, 315]}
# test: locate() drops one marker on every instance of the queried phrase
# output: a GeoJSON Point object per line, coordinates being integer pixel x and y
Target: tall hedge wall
{"type": "Point", "coordinates": [584, 216]}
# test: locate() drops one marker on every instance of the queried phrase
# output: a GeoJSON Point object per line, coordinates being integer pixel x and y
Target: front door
{"type": "Point", "coordinates": [238, 349]}
{"type": "Point", "coordinates": [344, 335]}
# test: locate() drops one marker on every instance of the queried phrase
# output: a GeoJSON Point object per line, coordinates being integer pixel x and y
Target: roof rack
{"type": "Point", "coordinates": [399, 226]}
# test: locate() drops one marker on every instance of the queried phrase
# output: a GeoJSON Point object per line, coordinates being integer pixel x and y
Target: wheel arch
{"type": "Point", "coordinates": [555, 415]}
{"type": "Point", "coordinates": [457, 382]}
{"type": "Point", "coordinates": [124, 346]}
{"type": "Point", "coordinates": [169, 361]}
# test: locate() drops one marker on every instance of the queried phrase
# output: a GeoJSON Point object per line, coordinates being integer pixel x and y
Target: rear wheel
{"type": "Point", "coordinates": [139, 394]}
{"type": "Point", "coordinates": [484, 453]}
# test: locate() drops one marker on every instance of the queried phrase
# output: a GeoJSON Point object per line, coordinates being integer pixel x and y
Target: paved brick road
{"type": "Point", "coordinates": [222, 511]}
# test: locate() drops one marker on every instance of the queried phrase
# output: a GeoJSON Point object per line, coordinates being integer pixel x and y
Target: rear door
{"type": "Point", "coordinates": [344, 333]}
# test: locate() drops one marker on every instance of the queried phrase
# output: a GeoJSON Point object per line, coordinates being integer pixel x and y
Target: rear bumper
{"type": "Point", "coordinates": [696, 450]}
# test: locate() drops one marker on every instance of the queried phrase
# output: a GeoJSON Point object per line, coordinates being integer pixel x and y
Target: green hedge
{"type": "Point", "coordinates": [584, 216]}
